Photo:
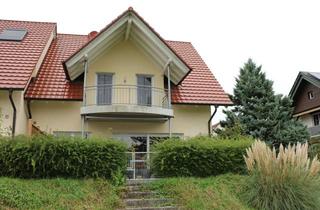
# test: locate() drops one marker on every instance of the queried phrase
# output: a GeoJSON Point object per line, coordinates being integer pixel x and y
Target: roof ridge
{"type": "Point", "coordinates": [177, 41]}
{"type": "Point", "coordinates": [71, 34]}
{"type": "Point", "coordinates": [30, 21]}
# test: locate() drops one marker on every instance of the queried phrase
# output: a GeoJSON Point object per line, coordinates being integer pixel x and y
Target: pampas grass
{"type": "Point", "coordinates": [286, 180]}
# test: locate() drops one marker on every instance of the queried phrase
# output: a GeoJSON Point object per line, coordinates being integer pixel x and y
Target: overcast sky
{"type": "Point", "coordinates": [281, 35]}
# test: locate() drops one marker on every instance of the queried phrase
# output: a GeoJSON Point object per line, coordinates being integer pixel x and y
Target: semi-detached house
{"type": "Point", "coordinates": [125, 82]}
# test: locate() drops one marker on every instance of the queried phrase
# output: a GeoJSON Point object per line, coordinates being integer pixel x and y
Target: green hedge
{"type": "Point", "coordinates": [48, 156]}
{"type": "Point", "coordinates": [201, 156]}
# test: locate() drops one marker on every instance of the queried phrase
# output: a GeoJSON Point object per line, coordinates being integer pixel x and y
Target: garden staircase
{"type": "Point", "coordinates": [137, 197]}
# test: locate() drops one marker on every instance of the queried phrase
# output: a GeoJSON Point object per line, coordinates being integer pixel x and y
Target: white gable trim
{"type": "Point", "coordinates": [131, 27]}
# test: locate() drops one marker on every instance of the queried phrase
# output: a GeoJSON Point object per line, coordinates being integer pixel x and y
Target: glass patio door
{"type": "Point", "coordinates": [104, 89]}
{"type": "Point", "coordinates": [144, 90]}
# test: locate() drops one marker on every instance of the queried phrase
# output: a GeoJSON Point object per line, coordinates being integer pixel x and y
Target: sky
{"type": "Point", "coordinates": [281, 35]}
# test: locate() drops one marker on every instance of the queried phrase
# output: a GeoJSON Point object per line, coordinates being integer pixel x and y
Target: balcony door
{"type": "Point", "coordinates": [104, 89]}
{"type": "Point", "coordinates": [144, 90]}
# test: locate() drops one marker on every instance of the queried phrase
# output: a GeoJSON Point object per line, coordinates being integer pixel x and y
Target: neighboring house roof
{"type": "Point", "coordinates": [312, 77]}
{"type": "Point", "coordinates": [18, 59]}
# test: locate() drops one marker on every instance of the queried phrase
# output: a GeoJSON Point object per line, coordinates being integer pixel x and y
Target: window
{"type": "Point", "coordinates": [144, 90]}
{"type": "Point", "coordinates": [71, 133]}
{"type": "Point", "coordinates": [104, 89]}
{"type": "Point", "coordinates": [310, 95]}
{"type": "Point", "coordinates": [13, 34]}
{"type": "Point", "coordinates": [316, 118]}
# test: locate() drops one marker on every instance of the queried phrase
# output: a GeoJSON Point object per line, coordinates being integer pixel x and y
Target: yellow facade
{"type": "Point", "coordinates": [53, 116]}
{"type": "Point", "coordinates": [6, 113]}
{"type": "Point", "coordinates": [125, 61]}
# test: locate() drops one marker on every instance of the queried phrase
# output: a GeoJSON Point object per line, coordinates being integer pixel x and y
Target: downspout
{"type": "Point", "coordinates": [29, 109]}
{"type": "Point", "coordinates": [14, 119]}
{"type": "Point", "coordinates": [210, 119]}
{"type": "Point", "coordinates": [84, 102]}
{"type": "Point", "coordinates": [29, 118]}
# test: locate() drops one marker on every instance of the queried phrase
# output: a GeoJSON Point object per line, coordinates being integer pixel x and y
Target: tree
{"type": "Point", "coordinates": [261, 113]}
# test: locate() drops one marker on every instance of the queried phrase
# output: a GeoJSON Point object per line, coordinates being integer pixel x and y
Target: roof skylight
{"type": "Point", "coordinates": [13, 34]}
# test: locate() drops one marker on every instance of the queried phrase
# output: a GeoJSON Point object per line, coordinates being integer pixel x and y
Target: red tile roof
{"type": "Point", "coordinates": [51, 82]}
{"type": "Point", "coordinates": [199, 87]}
{"type": "Point", "coordinates": [18, 59]}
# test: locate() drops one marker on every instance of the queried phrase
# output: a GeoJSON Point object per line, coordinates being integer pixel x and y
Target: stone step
{"type": "Point", "coordinates": [140, 194]}
{"type": "Point", "coordinates": [149, 202]}
{"type": "Point", "coordinates": [132, 188]}
{"type": "Point", "coordinates": [154, 208]}
{"type": "Point", "coordinates": [140, 181]}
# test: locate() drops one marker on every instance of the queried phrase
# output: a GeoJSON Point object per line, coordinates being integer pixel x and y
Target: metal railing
{"type": "Point", "coordinates": [139, 165]}
{"type": "Point", "coordinates": [315, 130]}
{"type": "Point", "coordinates": [126, 95]}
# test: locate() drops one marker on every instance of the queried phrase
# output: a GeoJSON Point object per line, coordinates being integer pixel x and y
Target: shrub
{"type": "Point", "coordinates": [201, 156]}
{"type": "Point", "coordinates": [47, 156]}
{"type": "Point", "coordinates": [288, 180]}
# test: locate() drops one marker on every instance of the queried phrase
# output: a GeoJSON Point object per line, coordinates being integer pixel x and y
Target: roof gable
{"type": "Point", "coordinates": [311, 77]}
{"type": "Point", "coordinates": [131, 26]}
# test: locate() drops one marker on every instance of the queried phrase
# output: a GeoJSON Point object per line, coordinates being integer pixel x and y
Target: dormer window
{"type": "Point", "coordinates": [310, 95]}
{"type": "Point", "coordinates": [13, 34]}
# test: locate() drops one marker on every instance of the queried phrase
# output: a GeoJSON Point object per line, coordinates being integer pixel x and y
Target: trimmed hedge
{"type": "Point", "coordinates": [201, 157]}
{"type": "Point", "coordinates": [48, 156]}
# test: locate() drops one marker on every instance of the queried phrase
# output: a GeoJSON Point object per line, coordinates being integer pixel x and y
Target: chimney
{"type": "Point", "coordinates": [92, 34]}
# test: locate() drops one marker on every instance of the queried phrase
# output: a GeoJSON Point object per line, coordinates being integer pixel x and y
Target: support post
{"type": "Point", "coordinates": [169, 97]}
{"type": "Point", "coordinates": [84, 102]}
{"type": "Point", "coordinates": [169, 86]}
{"type": "Point", "coordinates": [148, 152]}
{"type": "Point", "coordinates": [82, 127]}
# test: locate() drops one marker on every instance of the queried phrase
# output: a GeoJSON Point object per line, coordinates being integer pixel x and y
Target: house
{"type": "Point", "coordinates": [125, 82]}
{"type": "Point", "coordinates": [305, 94]}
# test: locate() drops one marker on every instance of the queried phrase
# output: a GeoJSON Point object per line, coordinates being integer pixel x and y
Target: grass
{"type": "Point", "coordinates": [213, 193]}
{"type": "Point", "coordinates": [57, 193]}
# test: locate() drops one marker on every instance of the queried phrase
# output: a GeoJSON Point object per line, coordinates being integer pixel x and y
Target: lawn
{"type": "Point", "coordinates": [57, 194]}
{"type": "Point", "coordinates": [220, 192]}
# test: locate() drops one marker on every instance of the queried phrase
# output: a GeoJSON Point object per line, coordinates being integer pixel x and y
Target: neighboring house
{"type": "Point", "coordinates": [305, 94]}
{"type": "Point", "coordinates": [125, 82]}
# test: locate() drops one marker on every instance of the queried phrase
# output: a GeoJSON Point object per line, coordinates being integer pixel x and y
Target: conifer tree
{"type": "Point", "coordinates": [261, 113]}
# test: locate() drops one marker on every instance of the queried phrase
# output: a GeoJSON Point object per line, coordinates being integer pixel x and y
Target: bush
{"type": "Point", "coordinates": [201, 156]}
{"type": "Point", "coordinates": [47, 156]}
{"type": "Point", "coordinates": [288, 180]}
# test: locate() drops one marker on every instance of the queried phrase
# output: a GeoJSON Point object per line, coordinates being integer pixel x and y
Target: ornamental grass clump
{"type": "Point", "coordinates": [286, 179]}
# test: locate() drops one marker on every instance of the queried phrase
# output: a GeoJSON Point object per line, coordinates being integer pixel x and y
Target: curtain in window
{"type": "Point", "coordinates": [144, 90]}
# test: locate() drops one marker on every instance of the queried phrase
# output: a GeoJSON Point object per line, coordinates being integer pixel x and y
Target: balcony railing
{"type": "Point", "coordinates": [104, 95]}
{"type": "Point", "coordinates": [315, 130]}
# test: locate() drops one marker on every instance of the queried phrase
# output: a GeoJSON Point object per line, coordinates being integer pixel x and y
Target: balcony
{"type": "Point", "coordinates": [314, 131]}
{"type": "Point", "coordinates": [126, 102]}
